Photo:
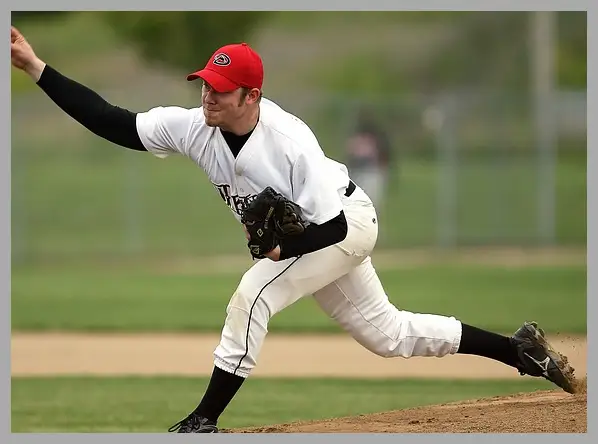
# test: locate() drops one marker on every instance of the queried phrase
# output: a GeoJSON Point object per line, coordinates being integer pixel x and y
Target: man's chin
{"type": "Point", "coordinates": [211, 121]}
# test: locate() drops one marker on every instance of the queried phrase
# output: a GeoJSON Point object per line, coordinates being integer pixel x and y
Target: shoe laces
{"type": "Point", "coordinates": [185, 423]}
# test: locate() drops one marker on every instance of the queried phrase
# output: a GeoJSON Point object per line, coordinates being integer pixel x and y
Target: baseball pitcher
{"type": "Point", "coordinates": [310, 228]}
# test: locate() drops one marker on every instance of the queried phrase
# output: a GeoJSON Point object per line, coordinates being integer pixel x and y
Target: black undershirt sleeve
{"type": "Point", "coordinates": [315, 237]}
{"type": "Point", "coordinates": [117, 125]}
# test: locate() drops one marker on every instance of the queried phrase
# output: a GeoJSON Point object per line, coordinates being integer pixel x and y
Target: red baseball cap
{"type": "Point", "coordinates": [231, 67]}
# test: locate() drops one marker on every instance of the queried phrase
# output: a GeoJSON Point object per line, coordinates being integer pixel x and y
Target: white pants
{"type": "Point", "coordinates": [343, 282]}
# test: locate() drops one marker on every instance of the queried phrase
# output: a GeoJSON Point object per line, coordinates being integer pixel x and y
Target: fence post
{"type": "Point", "coordinates": [441, 121]}
{"type": "Point", "coordinates": [542, 29]}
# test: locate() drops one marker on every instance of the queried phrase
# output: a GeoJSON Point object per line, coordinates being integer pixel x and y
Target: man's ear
{"type": "Point", "coordinates": [254, 95]}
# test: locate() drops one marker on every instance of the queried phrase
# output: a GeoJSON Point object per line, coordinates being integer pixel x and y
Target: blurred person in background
{"type": "Point", "coordinates": [369, 155]}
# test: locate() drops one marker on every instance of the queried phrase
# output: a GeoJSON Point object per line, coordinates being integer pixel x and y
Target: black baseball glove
{"type": "Point", "coordinates": [268, 218]}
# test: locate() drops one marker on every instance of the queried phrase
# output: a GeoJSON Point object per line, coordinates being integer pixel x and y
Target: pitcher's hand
{"type": "Point", "coordinates": [23, 57]}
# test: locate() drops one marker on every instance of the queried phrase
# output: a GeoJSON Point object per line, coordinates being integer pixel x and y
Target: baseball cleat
{"type": "Point", "coordinates": [194, 424]}
{"type": "Point", "coordinates": [538, 358]}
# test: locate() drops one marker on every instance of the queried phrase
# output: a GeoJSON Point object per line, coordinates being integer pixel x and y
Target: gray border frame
{"type": "Point", "coordinates": [513, 5]}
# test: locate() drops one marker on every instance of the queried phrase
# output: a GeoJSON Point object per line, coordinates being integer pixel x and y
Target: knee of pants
{"type": "Point", "coordinates": [245, 327]}
{"type": "Point", "coordinates": [375, 341]}
{"type": "Point", "coordinates": [407, 347]}
{"type": "Point", "coordinates": [415, 335]}
{"type": "Point", "coordinates": [384, 347]}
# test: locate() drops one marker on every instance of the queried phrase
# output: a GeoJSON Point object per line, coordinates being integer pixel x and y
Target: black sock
{"type": "Point", "coordinates": [475, 341]}
{"type": "Point", "coordinates": [221, 390]}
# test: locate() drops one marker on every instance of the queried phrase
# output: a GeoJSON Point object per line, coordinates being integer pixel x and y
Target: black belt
{"type": "Point", "coordinates": [350, 188]}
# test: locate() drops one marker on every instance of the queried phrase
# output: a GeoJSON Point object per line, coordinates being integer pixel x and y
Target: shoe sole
{"type": "Point", "coordinates": [569, 382]}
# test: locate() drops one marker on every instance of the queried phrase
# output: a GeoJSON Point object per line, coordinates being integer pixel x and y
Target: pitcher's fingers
{"type": "Point", "coordinates": [14, 34]}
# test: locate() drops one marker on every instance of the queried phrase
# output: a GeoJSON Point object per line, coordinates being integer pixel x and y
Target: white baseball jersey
{"type": "Point", "coordinates": [282, 152]}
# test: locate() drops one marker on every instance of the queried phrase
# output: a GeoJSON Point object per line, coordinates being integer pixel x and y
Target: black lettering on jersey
{"type": "Point", "coordinates": [233, 201]}
{"type": "Point", "coordinates": [224, 191]}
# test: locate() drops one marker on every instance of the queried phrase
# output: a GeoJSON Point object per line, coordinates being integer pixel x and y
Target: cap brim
{"type": "Point", "coordinates": [214, 79]}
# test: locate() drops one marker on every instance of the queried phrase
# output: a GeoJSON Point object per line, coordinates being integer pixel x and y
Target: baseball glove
{"type": "Point", "coordinates": [269, 218]}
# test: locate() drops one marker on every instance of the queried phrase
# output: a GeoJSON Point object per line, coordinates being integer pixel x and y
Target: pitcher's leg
{"type": "Point", "coordinates": [266, 289]}
{"type": "Point", "coordinates": [358, 302]}
{"type": "Point", "coordinates": [263, 291]}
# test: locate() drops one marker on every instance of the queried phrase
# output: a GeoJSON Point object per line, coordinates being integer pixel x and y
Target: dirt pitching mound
{"type": "Point", "coordinates": [536, 412]}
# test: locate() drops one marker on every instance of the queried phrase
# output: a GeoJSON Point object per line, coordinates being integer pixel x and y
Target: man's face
{"type": "Point", "coordinates": [222, 109]}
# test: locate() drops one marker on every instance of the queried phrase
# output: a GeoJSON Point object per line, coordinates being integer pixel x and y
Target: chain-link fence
{"type": "Point", "coordinates": [464, 169]}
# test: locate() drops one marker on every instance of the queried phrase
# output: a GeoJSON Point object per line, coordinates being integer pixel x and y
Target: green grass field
{"type": "Point", "coordinates": [154, 404]}
{"type": "Point", "coordinates": [498, 299]}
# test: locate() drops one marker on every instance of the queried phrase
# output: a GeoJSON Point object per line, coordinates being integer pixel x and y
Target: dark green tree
{"type": "Point", "coordinates": [183, 40]}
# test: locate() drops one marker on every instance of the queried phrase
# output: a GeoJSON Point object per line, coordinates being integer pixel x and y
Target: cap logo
{"type": "Point", "coordinates": [221, 59]}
